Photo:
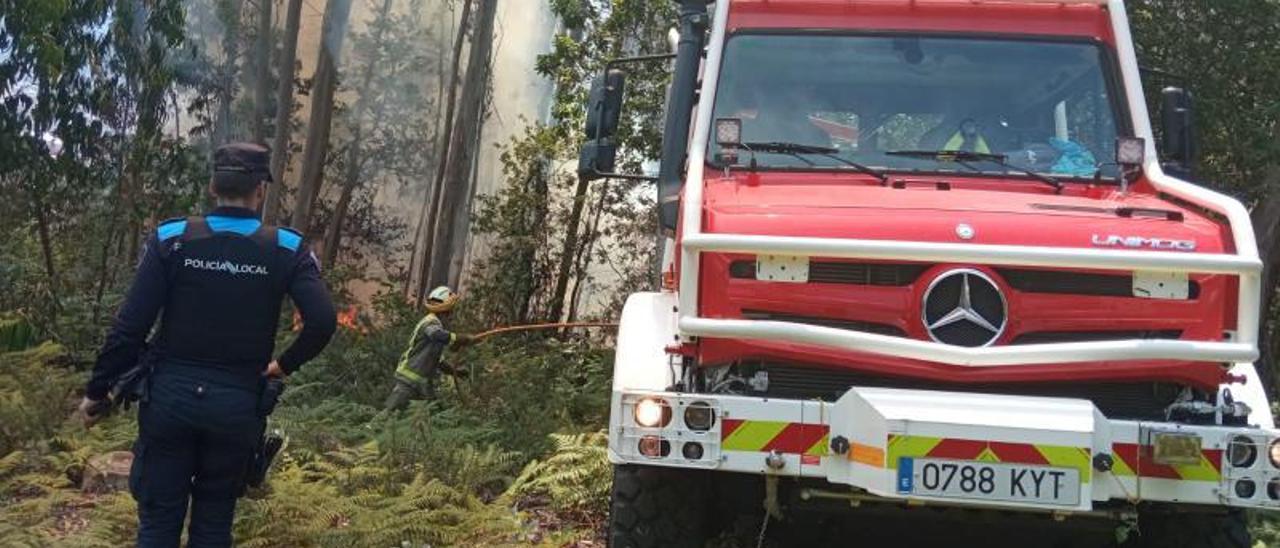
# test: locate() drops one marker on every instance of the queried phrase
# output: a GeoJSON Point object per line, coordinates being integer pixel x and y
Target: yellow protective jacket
{"type": "Point", "coordinates": [421, 359]}
{"type": "Point", "coordinates": [956, 142]}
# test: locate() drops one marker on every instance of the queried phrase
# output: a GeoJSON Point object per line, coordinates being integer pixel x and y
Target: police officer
{"type": "Point", "coordinates": [420, 364]}
{"type": "Point", "coordinates": [220, 281]}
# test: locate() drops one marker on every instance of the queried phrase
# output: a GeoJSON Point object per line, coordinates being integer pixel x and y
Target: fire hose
{"type": "Point", "coordinates": [541, 326]}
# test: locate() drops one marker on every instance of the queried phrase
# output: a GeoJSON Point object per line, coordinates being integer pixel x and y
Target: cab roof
{"type": "Point", "coordinates": [1065, 18]}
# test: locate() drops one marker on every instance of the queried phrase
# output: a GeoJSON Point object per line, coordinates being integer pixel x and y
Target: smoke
{"type": "Point", "coordinates": [397, 154]}
{"type": "Point", "coordinates": [336, 21]}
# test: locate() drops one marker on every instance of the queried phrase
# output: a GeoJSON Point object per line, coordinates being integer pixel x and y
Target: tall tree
{"type": "Point", "coordinates": [324, 82]}
{"type": "Point", "coordinates": [284, 110]}
{"type": "Point", "coordinates": [355, 159]}
{"type": "Point", "coordinates": [229, 13]}
{"type": "Point", "coordinates": [455, 187]}
{"type": "Point", "coordinates": [262, 72]}
{"type": "Point", "coordinates": [596, 32]}
{"type": "Point", "coordinates": [426, 225]}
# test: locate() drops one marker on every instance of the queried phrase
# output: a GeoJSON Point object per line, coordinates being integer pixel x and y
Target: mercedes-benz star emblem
{"type": "Point", "coordinates": [964, 307]}
{"type": "Point", "coordinates": [964, 231]}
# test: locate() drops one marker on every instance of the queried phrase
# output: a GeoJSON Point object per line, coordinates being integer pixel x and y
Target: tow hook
{"type": "Point", "coordinates": [1103, 462]}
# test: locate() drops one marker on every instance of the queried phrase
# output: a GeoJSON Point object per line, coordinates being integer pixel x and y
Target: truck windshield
{"type": "Point", "coordinates": [885, 101]}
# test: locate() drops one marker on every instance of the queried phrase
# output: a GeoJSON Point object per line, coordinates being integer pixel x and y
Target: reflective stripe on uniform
{"type": "Point", "coordinates": [406, 374]}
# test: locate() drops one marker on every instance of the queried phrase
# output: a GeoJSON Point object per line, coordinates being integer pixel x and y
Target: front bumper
{"type": "Point", "coordinates": [793, 438]}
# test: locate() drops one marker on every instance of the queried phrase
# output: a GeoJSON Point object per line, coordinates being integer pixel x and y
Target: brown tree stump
{"type": "Point", "coordinates": [107, 472]}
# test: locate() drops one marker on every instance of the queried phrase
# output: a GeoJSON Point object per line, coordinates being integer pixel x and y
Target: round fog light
{"type": "Point", "coordinates": [692, 450]}
{"type": "Point", "coordinates": [1245, 488]}
{"type": "Point", "coordinates": [1273, 489]}
{"type": "Point", "coordinates": [1242, 453]}
{"type": "Point", "coordinates": [699, 416]}
{"type": "Point", "coordinates": [652, 412]}
{"type": "Point", "coordinates": [653, 446]}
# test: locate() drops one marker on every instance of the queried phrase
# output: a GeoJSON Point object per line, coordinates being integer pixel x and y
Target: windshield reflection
{"type": "Point", "coordinates": [1044, 106]}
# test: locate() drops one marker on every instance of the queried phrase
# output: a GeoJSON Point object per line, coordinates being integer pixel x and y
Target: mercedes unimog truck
{"type": "Point", "coordinates": [927, 254]}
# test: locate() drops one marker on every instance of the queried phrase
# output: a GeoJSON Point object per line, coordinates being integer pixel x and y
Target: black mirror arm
{"type": "Point", "coordinates": [624, 176]}
{"type": "Point", "coordinates": [637, 59]}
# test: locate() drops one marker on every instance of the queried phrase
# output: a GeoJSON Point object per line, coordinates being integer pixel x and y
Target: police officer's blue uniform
{"type": "Point", "coordinates": [220, 281]}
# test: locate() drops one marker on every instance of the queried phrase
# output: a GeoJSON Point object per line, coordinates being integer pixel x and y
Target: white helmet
{"type": "Point", "coordinates": [441, 299]}
{"type": "Point", "coordinates": [440, 294]}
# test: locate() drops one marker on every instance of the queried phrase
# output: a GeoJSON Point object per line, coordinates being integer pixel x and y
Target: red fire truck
{"type": "Point", "coordinates": [925, 253]}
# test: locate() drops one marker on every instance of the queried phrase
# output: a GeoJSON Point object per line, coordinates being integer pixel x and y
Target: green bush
{"type": "Point", "coordinates": [37, 393]}
{"type": "Point", "coordinates": [16, 334]}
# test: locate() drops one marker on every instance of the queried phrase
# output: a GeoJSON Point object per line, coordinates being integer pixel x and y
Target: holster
{"type": "Point", "coordinates": [271, 441]}
{"type": "Point", "coordinates": [133, 385]}
{"type": "Point", "coordinates": [266, 452]}
{"type": "Point", "coordinates": [270, 396]}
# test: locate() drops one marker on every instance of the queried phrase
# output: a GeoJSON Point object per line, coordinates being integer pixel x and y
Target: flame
{"type": "Point", "coordinates": [349, 318]}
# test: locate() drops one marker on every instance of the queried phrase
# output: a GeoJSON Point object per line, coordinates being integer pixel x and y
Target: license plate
{"type": "Point", "coordinates": [964, 479]}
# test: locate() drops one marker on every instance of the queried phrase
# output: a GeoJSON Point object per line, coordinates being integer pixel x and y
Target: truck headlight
{"type": "Point", "coordinates": [1273, 451]}
{"type": "Point", "coordinates": [652, 412]}
{"type": "Point", "coordinates": [1242, 452]}
{"type": "Point", "coordinates": [699, 416]}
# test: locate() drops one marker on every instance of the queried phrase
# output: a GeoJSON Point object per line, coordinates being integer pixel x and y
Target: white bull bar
{"type": "Point", "coordinates": [1245, 264]}
{"type": "Point", "coordinates": [794, 438]}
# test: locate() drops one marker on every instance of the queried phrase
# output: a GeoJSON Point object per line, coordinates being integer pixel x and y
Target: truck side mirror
{"type": "Point", "coordinates": [604, 110]}
{"type": "Point", "coordinates": [597, 158]}
{"type": "Point", "coordinates": [1178, 118]}
{"type": "Point", "coordinates": [604, 104]}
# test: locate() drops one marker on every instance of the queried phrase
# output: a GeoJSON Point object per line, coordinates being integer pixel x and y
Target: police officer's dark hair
{"type": "Point", "coordinates": [235, 186]}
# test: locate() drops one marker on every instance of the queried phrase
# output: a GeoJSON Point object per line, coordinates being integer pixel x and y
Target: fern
{"type": "Point", "coordinates": [576, 476]}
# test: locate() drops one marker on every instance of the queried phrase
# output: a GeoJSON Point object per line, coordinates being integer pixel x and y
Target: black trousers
{"type": "Point", "coordinates": [196, 437]}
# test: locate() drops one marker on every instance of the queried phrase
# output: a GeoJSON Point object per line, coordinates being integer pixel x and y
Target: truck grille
{"type": "Point", "coordinates": [1058, 282]}
{"type": "Point", "coordinates": [835, 272]}
{"type": "Point", "coordinates": [1121, 400]}
{"type": "Point", "coordinates": [1042, 337]}
{"type": "Point", "coordinates": [869, 327]}
{"type": "Point", "coordinates": [1076, 283]}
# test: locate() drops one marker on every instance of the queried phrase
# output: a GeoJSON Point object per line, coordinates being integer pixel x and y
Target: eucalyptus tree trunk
{"type": "Point", "coordinates": [284, 111]}
{"type": "Point", "coordinates": [444, 139]}
{"type": "Point", "coordinates": [262, 72]}
{"type": "Point", "coordinates": [415, 269]}
{"type": "Point", "coordinates": [227, 94]}
{"type": "Point", "coordinates": [583, 259]}
{"type": "Point", "coordinates": [355, 159]}
{"type": "Point", "coordinates": [324, 83]}
{"type": "Point", "coordinates": [568, 251]}
{"type": "Point", "coordinates": [44, 234]}
{"type": "Point", "coordinates": [455, 187]}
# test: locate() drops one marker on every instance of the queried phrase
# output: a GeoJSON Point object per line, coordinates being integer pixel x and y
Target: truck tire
{"type": "Point", "coordinates": [1229, 530]}
{"type": "Point", "coordinates": [654, 507]}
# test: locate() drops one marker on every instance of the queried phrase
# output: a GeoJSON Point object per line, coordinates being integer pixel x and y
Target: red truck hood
{"type": "Point", "coordinates": [999, 212]}
{"type": "Point", "coordinates": [1014, 212]}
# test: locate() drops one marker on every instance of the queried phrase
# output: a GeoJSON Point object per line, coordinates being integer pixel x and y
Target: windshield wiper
{"type": "Point", "coordinates": [799, 150]}
{"type": "Point", "coordinates": [963, 156]}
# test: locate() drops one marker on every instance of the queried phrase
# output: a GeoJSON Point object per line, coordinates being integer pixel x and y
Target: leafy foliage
{"type": "Point", "coordinates": [1227, 55]}
{"type": "Point", "coordinates": [442, 473]}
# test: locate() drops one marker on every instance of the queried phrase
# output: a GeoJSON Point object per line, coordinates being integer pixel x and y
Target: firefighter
{"type": "Point", "coordinates": [219, 280]}
{"type": "Point", "coordinates": [420, 365]}
{"type": "Point", "coordinates": [967, 138]}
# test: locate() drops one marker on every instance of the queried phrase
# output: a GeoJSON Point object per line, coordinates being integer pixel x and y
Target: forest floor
{"type": "Point", "coordinates": [513, 456]}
